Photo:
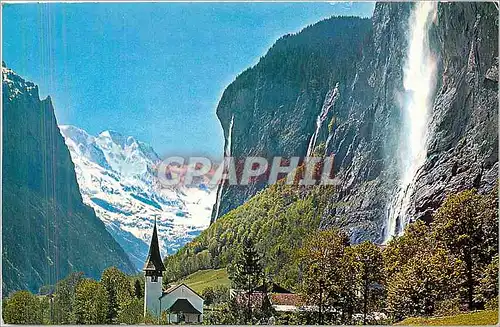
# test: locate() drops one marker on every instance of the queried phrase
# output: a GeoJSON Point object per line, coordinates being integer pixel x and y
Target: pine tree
{"type": "Point", "coordinates": [118, 290]}
{"type": "Point", "coordinates": [246, 274]}
{"type": "Point", "coordinates": [64, 298]}
{"type": "Point", "coordinates": [138, 292]}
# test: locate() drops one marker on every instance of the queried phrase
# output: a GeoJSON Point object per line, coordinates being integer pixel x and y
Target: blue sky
{"type": "Point", "coordinates": [154, 71]}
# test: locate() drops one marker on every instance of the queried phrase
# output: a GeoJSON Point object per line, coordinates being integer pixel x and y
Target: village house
{"type": "Point", "coordinates": [276, 297]}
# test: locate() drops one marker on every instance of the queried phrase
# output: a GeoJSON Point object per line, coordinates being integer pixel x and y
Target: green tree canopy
{"type": "Point", "coordinates": [24, 308]}
{"type": "Point", "coordinates": [370, 276]}
{"type": "Point", "coordinates": [118, 290]}
{"type": "Point", "coordinates": [64, 298]}
{"type": "Point", "coordinates": [322, 262]}
{"type": "Point", "coordinates": [91, 306]}
{"type": "Point", "coordinates": [467, 226]}
{"type": "Point", "coordinates": [246, 274]}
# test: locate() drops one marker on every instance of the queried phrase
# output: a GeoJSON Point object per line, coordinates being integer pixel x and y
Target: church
{"type": "Point", "coordinates": [179, 302]}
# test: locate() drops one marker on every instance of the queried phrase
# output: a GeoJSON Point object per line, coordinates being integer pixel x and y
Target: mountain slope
{"type": "Point", "coordinates": [272, 108]}
{"type": "Point", "coordinates": [365, 125]}
{"type": "Point", "coordinates": [365, 122]}
{"type": "Point", "coordinates": [117, 177]}
{"type": "Point", "coordinates": [47, 230]}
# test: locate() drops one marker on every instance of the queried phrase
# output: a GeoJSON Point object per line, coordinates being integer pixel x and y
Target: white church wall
{"type": "Point", "coordinates": [152, 293]}
{"type": "Point", "coordinates": [188, 318]}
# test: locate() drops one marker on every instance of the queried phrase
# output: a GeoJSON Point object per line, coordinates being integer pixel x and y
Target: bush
{"type": "Point", "coordinates": [215, 295]}
{"type": "Point", "coordinates": [448, 307]}
{"type": "Point", "coordinates": [492, 304]}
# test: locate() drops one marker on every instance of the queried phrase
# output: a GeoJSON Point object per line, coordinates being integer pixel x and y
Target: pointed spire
{"type": "Point", "coordinates": [154, 263]}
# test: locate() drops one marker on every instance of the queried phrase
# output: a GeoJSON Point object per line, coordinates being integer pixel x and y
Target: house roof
{"type": "Point", "coordinates": [184, 306]}
{"type": "Point", "coordinates": [288, 299]}
{"type": "Point", "coordinates": [154, 261]}
{"type": "Point", "coordinates": [256, 298]}
{"type": "Point", "coordinates": [174, 287]}
{"type": "Point", "coordinates": [275, 288]}
{"type": "Point", "coordinates": [278, 289]}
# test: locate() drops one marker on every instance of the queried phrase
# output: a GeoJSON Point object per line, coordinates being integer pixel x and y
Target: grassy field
{"type": "Point", "coordinates": [205, 278]}
{"type": "Point", "coordinates": [474, 318]}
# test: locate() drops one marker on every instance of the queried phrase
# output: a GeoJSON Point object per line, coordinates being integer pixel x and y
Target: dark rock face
{"type": "Point", "coordinates": [47, 230]}
{"type": "Point", "coordinates": [462, 142]}
{"type": "Point", "coordinates": [276, 102]}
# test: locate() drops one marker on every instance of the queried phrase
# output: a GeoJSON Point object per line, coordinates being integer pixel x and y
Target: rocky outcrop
{"type": "Point", "coordinates": [47, 231]}
{"type": "Point", "coordinates": [275, 104]}
{"type": "Point", "coordinates": [365, 122]}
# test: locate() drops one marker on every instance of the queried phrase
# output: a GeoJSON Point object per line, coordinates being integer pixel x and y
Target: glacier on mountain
{"type": "Point", "coordinates": [117, 177]}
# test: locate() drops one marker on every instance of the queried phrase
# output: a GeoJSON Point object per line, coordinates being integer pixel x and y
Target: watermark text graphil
{"type": "Point", "coordinates": [191, 171]}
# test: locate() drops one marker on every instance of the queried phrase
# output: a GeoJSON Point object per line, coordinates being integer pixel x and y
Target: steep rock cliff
{"type": "Point", "coordinates": [463, 144]}
{"type": "Point", "coordinates": [47, 230]}
{"type": "Point", "coordinates": [462, 149]}
{"type": "Point", "coordinates": [271, 109]}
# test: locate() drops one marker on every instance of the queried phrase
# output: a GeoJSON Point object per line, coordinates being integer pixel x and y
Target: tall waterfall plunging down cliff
{"type": "Point", "coordinates": [227, 154]}
{"type": "Point", "coordinates": [419, 84]}
{"type": "Point", "coordinates": [390, 170]}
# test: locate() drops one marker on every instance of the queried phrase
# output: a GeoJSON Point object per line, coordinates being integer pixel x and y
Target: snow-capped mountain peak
{"type": "Point", "coordinates": [116, 175]}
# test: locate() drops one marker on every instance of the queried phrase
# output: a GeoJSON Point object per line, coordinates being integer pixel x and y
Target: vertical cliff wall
{"type": "Point", "coordinates": [47, 231]}
{"type": "Point", "coordinates": [274, 105]}
{"type": "Point", "coordinates": [365, 120]}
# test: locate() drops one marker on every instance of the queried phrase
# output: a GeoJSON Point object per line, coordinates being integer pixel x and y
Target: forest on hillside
{"type": "Point", "coordinates": [447, 266]}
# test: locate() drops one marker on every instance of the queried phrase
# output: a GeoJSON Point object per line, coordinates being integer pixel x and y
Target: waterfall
{"type": "Point", "coordinates": [330, 99]}
{"type": "Point", "coordinates": [419, 83]}
{"type": "Point", "coordinates": [227, 154]}
{"type": "Point", "coordinates": [227, 150]}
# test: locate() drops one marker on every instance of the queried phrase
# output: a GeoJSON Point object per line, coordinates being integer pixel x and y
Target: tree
{"type": "Point", "coordinates": [321, 260]}
{"type": "Point", "coordinates": [208, 295]}
{"type": "Point", "coordinates": [225, 313]}
{"type": "Point", "coordinates": [429, 277]}
{"type": "Point", "coordinates": [347, 287]}
{"type": "Point", "coordinates": [64, 298]}
{"type": "Point", "coordinates": [118, 291]}
{"type": "Point", "coordinates": [91, 306]}
{"type": "Point", "coordinates": [401, 249]}
{"type": "Point", "coordinates": [370, 276]}
{"type": "Point", "coordinates": [138, 291]}
{"type": "Point", "coordinates": [246, 273]}
{"type": "Point", "coordinates": [467, 226]}
{"type": "Point", "coordinates": [22, 307]}
{"type": "Point", "coordinates": [132, 313]}
{"type": "Point", "coordinates": [215, 295]}
{"type": "Point", "coordinates": [488, 284]}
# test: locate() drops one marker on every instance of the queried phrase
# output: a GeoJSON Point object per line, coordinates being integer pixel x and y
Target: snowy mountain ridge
{"type": "Point", "coordinates": [117, 177]}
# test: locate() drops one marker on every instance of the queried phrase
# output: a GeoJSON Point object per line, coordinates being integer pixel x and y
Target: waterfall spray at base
{"type": "Point", "coordinates": [419, 83]}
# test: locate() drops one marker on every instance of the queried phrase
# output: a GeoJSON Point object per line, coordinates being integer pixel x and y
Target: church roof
{"type": "Point", "coordinates": [184, 306]}
{"type": "Point", "coordinates": [154, 261]}
{"type": "Point", "coordinates": [174, 287]}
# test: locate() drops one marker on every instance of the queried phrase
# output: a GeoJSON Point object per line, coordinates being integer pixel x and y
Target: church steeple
{"type": "Point", "coordinates": [154, 264]}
